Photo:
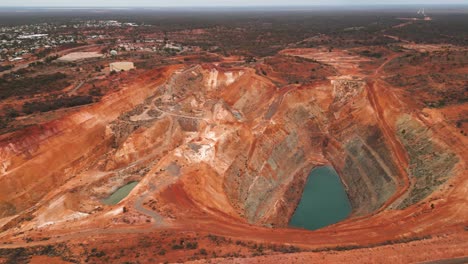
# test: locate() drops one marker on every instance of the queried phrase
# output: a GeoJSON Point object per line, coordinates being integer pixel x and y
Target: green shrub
{"type": "Point", "coordinates": [192, 245]}
{"type": "Point", "coordinates": [49, 105]}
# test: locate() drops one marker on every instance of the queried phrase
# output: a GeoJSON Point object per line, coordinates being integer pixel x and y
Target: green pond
{"type": "Point", "coordinates": [324, 200]}
{"type": "Point", "coordinates": [121, 193]}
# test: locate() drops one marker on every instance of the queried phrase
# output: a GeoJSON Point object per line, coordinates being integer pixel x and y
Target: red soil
{"type": "Point", "coordinates": [211, 124]}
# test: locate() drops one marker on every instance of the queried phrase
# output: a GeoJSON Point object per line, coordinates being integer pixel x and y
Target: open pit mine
{"type": "Point", "coordinates": [212, 162]}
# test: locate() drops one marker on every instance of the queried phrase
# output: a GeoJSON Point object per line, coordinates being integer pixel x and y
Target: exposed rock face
{"type": "Point", "coordinates": [369, 175]}
{"type": "Point", "coordinates": [43, 158]}
{"type": "Point", "coordinates": [284, 134]}
{"type": "Point", "coordinates": [225, 146]}
{"type": "Point", "coordinates": [254, 184]}
{"type": "Point", "coordinates": [363, 158]}
{"type": "Point", "coordinates": [431, 162]}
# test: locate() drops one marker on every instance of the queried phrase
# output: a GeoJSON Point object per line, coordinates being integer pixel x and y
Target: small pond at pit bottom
{"type": "Point", "coordinates": [324, 200]}
{"type": "Point", "coordinates": [120, 194]}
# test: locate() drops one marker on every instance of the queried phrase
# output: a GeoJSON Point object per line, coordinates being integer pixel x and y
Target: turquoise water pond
{"type": "Point", "coordinates": [120, 194]}
{"type": "Point", "coordinates": [324, 200]}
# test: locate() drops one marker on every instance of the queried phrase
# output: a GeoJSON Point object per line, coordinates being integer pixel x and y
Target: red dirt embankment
{"type": "Point", "coordinates": [41, 158]}
{"type": "Point", "coordinates": [221, 156]}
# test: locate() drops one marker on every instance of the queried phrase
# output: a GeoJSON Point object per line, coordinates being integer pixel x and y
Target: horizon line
{"type": "Point", "coordinates": [239, 6]}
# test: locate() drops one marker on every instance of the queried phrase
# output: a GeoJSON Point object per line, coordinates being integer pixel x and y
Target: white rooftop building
{"type": "Point", "coordinates": [32, 36]}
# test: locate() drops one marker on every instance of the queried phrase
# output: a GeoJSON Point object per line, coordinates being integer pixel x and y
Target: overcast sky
{"type": "Point", "coordinates": [174, 3]}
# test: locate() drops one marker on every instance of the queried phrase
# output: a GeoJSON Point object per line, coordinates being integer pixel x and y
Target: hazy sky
{"type": "Point", "coordinates": [165, 3]}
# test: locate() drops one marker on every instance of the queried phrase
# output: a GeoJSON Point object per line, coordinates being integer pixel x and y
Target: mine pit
{"type": "Point", "coordinates": [336, 149]}
{"type": "Point", "coordinates": [323, 202]}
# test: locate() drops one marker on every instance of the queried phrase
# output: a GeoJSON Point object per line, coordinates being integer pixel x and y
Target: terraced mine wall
{"type": "Point", "coordinates": [358, 150]}
{"type": "Point", "coordinates": [255, 141]}
{"type": "Point", "coordinates": [368, 172]}
{"type": "Point", "coordinates": [346, 132]}
{"type": "Point", "coordinates": [431, 162]}
{"type": "Point", "coordinates": [42, 158]}
{"type": "Point", "coordinates": [272, 166]}
{"type": "Point", "coordinates": [266, 180]}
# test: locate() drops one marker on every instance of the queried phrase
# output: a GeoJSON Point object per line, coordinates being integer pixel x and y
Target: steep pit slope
{"type": "Point", "coordinates": [42, 158]}
{"type": "Point", "coordinates": [358, 148]}
{"type": "Point", "coordinates": [222, 153]}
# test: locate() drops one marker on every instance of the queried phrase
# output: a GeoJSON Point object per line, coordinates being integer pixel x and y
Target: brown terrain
{"type": "Point", "coordinates": [221, 152]}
